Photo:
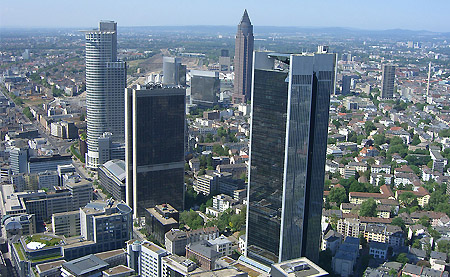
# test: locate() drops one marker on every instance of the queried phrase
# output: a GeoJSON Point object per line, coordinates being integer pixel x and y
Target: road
{"type": "Point", "coordinates": [206, 219]}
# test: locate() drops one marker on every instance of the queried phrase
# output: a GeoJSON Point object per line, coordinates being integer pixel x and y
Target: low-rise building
{"type": "Point", "coordinates": [378, 249]}
{"type": "Point", "coordinates": [66, 224]}
{"type": "Point", "coordinates": [160, 220]}
{"type": "Point", "coordinates": [111, 176]}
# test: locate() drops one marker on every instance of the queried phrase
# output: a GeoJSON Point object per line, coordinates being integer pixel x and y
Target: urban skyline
{"type": "Point", "coordinates": [351, 14]}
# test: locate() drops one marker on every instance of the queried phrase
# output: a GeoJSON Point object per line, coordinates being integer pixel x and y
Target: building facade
{"type": "Point", "coordinates": [105, 84]}
{"type": "Point", "coordinates": [243, 59]}
{"type": "Point", "coordinates": [387, 86]}
{"type": "Point", "coordinates": [287, 155]}
{"type": "Point", "coordinates": [155, 147]}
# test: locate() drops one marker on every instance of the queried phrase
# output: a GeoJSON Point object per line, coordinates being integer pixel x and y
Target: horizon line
{"type": "Point", "coordinates": [234, 26]}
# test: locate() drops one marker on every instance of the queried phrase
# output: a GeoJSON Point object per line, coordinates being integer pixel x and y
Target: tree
{"type": "Point", "coordinates": [368, 208]}
{"type": "Point", "coordinates": [425, 221]}
{"type": "Point", "coordinates": [336, 123]}
{"type": "Point", "coordinates": [338, 195]}
{"type": "Point", "coordinates": [408, 199]}
{"type": "Point", "coordinates": [402, 258]}
{"type": "Point", "coordinates": [369, 126]}
{"type": "Point", "coordinates": [398, 221]}
{"type": "Point", "coordinates": [444, 246]}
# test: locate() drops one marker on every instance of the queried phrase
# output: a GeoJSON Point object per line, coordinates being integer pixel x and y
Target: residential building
{"type": "Point", "coordinates": [345, 259]}
{"type": "Point", "coordinates": [289, 177]}
{"type": "Point", "coordinates": [243, 60]}
{"type": "Point", "coordinates": [155, 141]}
{"type": "Point", "coordinates": [105, 85]}
{"type": "Point", "coordinates": [176, 240]}
{"type": "Point", "coordinates": [378, 249]}
{"type": "Point", "coordinates": [204, 252]}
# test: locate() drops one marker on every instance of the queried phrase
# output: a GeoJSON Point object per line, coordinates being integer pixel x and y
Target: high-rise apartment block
{"type": "Point", "coordinates": [387, 88]}
{"type": "Point", "coordinates": [287, 154]}
{"type": "Point", "coordinates": [155, 117]}
{"type": "Point", "coordinates": [243, 58]}
{"type": "Point", "coordinates": [106, 79]}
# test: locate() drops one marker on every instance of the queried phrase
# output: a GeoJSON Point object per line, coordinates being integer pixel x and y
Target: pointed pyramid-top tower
{"type": "Point", "coordinates": [243, 60]}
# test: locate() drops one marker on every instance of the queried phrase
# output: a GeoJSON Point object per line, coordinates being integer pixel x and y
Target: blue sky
{"type": "Point", "coordinates": [363, 14]}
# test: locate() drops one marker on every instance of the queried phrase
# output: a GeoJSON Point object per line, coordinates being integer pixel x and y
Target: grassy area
{"type": "Point", "coordinates": [19, 251]}
{"type": "Point", "coordinates": [76, 153]}
{"type": "Point", "coordinates": [47, 240]}
{"type": "Point", "coordinates": [46, 258]}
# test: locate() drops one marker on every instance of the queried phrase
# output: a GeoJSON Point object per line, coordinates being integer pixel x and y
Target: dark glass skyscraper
{"type": "Point", "coordinates": [243, 57]}
{"type": "Point", "coordinates": [154, 138]}
{"type": "Point", "coordinates": [290, 103]}
{"type": "Point", "coordinates": [387, 88]}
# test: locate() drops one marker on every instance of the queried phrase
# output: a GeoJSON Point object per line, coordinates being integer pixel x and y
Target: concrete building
{"type": "Point", "coordinates": [66, 224]}
{"type": "Point", "coordinates": [107, 223]}
{"type": "Point", "coordinates": [18, 159]}
{"type": "Point", "coordinates": [174, 265]}
{"type": "Point", "coordinates": [204, 252]}
{"type": "Point", "coordinates": [145, 258]}
{"type": "Point", "coordinates": [111, 176]}
{"type": "Point", "coordinates": [297, 267]}
{"type": "Point", "coordinates": [81, 191]}
{"type": "Point", "coordinates": [176, 240]}
{"type": "Point", "coordinates": [48, 163]}
{"type": "Point", "coordinates": [105, 85]}
{"type": "Point", "coordinates": [160, 220]}
{"type": "Point", "coordinates": [47, 179]}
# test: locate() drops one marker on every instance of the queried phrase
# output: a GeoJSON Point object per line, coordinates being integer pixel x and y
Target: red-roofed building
{"type": "Point", "coordinates": [422, 194]}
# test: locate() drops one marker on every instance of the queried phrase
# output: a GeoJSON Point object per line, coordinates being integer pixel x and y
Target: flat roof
{"type": "Point", "coordinates": [85, 265]}
{"type": "Point", "coordinates": [300, 267]}
{"type": "Point", "coordinates": [48, 266]}
{"type": "Point", "coordinates": [117, 270]}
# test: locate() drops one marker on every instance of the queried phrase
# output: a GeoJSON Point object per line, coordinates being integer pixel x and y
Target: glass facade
{"type": "Point", "coordinates": [287, 161]}
{"type": "Point", "coordinates": [205, 90]}
{"type": "Point", "coordinates": [156, 147]}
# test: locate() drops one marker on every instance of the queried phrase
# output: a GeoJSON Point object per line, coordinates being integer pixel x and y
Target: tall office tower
{"type": "Point", "coordinates": [346, 82]}
{"type": "Point", "coordinates": [154, 142]}
{"type": "Point", "coordinates": [106, 79]}
{"type": "Point", "coordinates": [224, 61]}
{"type": "Point", "coordinates": [243, 58]}
{"type": "Point", "coordinates": [205, 88]}
{"type": "Point", "coordinates": [387, 88]}
{"type": "Point", "coordinates": [18, 159]}
{"type": "Point", "coordinates": [174, 73]}
{"type": "Point", "coordinates": [287, 154]}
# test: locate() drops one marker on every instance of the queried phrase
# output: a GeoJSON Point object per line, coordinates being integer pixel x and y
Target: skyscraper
{"type": "Point", "coordinates": [287, 154]}
{"type": "Point", "coordinates": [346, 82]}
{"type": "Point", "coordinates": [154, 156]}
{"type": "Point", "coordinates": [106, 79]}
{"type": "Point", "coordinates": [387, 88]}
{"type": "Point", "coordinates": [174, 73]}
{"type": "Point", "coordinates": [205, 88]}
{"type": "Point", "coordinates": [243, 58]}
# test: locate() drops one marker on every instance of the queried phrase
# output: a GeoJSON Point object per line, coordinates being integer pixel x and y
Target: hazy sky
{"type": "Point", "coordinates": [363, 14]}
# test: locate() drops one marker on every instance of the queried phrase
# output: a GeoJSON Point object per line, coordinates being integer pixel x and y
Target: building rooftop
{"type": "Point", "coordinates": [48, 266]}
{"type": "Point", "coordinates": [301, 267]}
{"type": "Point", "coordinates": [153, 247]}
{"type": "Point", "coordinates": [117, 270]}
{"type": "Point", "coordinates": [117, 168]}
{"type": "Point", "coordinates": [109, 254]}
{"type": "Point", "coordinates": [84, 265]}
{"type": "Point", "coordinates": [160, 218]}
